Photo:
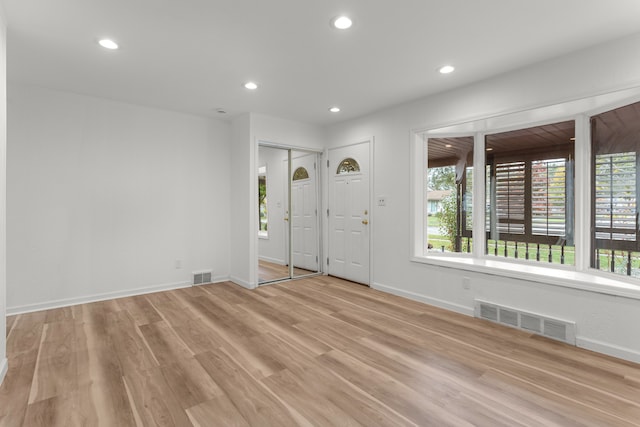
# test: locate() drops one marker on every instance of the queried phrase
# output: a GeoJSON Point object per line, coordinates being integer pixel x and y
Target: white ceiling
{"type": "Point", "coordinates": [194, 55]}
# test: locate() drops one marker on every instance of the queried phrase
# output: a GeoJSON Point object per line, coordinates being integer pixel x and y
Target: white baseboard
{"type": "Point", "coordinates": [241, 282]}
{"type": "Point", "coordinates": [94, 298]}
{"type": "Point", "coordinates": [458, 308]}
{"type": "Point", "coordinates": [220, 279]}
{"type": "Point", "coordinates": [4, 367]}
{"type": "Point", "coordinates": [272, 260]}
{"type": "Point", "coordinates": [608, 349]}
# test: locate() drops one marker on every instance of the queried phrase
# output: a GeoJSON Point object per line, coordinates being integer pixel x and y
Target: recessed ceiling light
{"type": "Point", "coordinates": [341, 22]}
{"type": "Point", "coordinates": [447, 145]}
{"type": "Point", "coordinates": [108, 44]}
{"type": "Point", "coordinates": [446, 69]}
{"type": "Point", "coordinates": [251, 86]}
{"type": "Point", "coordinates": [334, 109]}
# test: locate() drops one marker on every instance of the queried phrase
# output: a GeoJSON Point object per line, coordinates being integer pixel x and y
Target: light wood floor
{"type": "Point", "coordinates": [269, 271]}
{"type": "Point", "coordinates": [316, 351]}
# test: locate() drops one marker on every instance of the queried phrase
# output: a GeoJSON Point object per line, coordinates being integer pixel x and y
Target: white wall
{"type": "Point", "coordinates": [106, 198]}
{"type": "Point", "coordinates": [287, 132]}
{"type": "Point", "coordinates": [244, 196]}
{"type": "Point", "coordinates": [272, 248]}
{"type": "Point", "coordinates": [605, 323]}
{"type": "Point", "coordinates": [3, 193]}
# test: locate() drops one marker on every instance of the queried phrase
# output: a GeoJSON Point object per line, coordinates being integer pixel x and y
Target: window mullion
{"type": "Point", "coordinates": [528, 206]}
{"type": "Point", "coordinates": [583, 203]}
{"type": "Point", "coordinates": [637, 231]}
{"type": "Point", "coordinates": [478, 200]}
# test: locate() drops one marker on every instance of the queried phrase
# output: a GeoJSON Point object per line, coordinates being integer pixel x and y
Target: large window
{"type": "Point", "coordinates": [529, 193]}
{"type": "Point", "coordinates": [615, 144]}
{"type": "Point", "coordinates": [552, 194]}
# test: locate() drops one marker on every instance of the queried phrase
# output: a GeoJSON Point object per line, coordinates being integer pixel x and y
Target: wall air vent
{"type": "Point", "coordinates": [553, 328]}
{"type": "Point", "coordinates": [489, 312]}
{"type": "Point", "coordinates": [530, 323]}
{"type": "Point", "coordinates": [508, 317]}
{"type": "Point", "coordinates": [202, 277]}
{"type": "Point", "coordinates": [556, 330]}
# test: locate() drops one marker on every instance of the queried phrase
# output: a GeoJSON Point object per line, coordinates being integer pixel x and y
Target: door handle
{"type": "Point", "coordinates": [286, 219]}
{"type": "Point", "coordinates": [365, 222]}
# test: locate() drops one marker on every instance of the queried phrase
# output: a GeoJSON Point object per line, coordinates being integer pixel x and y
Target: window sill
{"type": "Point", "coordinates": [559, 276]}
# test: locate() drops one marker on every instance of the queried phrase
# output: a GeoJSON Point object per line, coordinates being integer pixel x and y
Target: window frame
{"type": "Point", "coordinates": [580, 275]}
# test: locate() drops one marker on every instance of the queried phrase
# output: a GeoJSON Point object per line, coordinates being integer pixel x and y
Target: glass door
{"type": "Point", "coordinates": [288, 206]}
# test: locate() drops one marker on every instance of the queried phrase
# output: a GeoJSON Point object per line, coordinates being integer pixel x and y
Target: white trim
{"type": "Point", "coordinates": [220, 279]}
{"type": "Point", "coordinates": [4, 367]}
{"type": "Point", "coordinates": [241, 282]}
{"type": "Point", "coordinates": [589, 104]}
{"type": "Point", "coordinates": [372, 219]}
{"type": "Point", "coordinates": [273, 260]}
{"type": "Point", "coordinates": [271, 144]}
{"type": "Point", "coordinates": [554, 276]}
{"type": "Point", "coordinates": [254, 215]}
{"type": "Point", "coordinates": [608, 349]}
{"type": "Point", "coordinates": [94, 298]}
{"type": "Point", "coordinates": [458, 308]}
{"type": "Point", "coordinates": [418, 215]}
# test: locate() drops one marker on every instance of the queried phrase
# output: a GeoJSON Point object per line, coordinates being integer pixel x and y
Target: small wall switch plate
{"type": "Point", "coordinates": [466, 283]}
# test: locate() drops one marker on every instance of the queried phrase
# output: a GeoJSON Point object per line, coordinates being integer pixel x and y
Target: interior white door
{"type": "Point", "coordinates": [304, 212]}
{"type": "Point", "coordinates": [349, 234]}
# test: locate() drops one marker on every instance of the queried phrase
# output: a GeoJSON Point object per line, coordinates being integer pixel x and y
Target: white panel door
{"type": "Point", "coordinates": [304, 214]}
{"type": "Point", "coordinates": [349, 229]}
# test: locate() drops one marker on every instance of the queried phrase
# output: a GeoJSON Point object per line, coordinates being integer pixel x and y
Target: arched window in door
{"type": "Point", "coordinates": [300, 173]}
{"type": "Point", "coordinates": [348, 165]}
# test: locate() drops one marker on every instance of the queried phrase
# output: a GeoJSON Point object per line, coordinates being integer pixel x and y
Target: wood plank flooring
{"type": "Point", "coordinates": [269, 271]}
{"type": "Point", "coordinates": [318, 351]}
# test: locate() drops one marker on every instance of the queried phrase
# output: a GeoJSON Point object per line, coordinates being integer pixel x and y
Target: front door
{"type": "Point", "coordinates": [349, 212]}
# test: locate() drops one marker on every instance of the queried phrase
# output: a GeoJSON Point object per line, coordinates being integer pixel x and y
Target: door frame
{"type": "Point", "coordinates": [254, 254]}
{"type": "Point", "coordinates": [372, 222]}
